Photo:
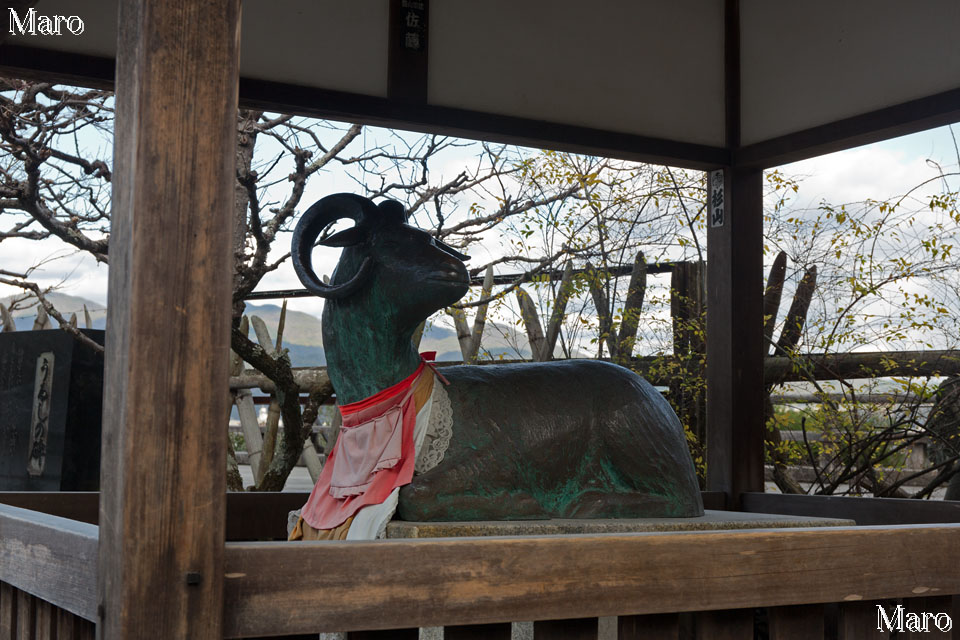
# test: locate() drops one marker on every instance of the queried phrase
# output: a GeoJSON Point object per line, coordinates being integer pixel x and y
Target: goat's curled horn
{"type": "Point", "coordinates": [317, 218]}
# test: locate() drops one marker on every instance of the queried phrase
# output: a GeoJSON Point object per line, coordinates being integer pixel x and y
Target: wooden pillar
{"type": "Point", "coordinates": [735, 332]}
{"type": "Point", "coordinates": [163, 480]}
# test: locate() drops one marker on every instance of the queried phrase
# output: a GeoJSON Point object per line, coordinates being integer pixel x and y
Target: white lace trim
{"type": "Point", "coordinates": [439, 431]}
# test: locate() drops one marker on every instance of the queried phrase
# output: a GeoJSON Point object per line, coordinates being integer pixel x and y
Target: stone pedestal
{"type": "Point", "coordinates": [710, 521]}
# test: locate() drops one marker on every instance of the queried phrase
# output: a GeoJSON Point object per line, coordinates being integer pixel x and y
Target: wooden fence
{"type": "Point", "coordinates": [796, 583]}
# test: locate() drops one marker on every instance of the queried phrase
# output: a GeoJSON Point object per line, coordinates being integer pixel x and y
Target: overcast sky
{"type": "Point", "coordinates": [877, 171]}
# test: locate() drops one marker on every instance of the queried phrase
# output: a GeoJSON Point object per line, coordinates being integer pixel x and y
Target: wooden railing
{"type": "Point", "coordinates": [809, 583]}
{"type": "Point", "coordinates": [48, 579]}
{"type": "Point", "coordinates": [403, 584]}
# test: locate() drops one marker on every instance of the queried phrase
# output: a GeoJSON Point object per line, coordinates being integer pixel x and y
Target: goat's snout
{"type": "Point", "coordinates": [453, 273]}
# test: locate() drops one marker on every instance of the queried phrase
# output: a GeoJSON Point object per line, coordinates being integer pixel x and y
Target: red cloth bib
{"type": "Point", "coordinates": [373, 455]}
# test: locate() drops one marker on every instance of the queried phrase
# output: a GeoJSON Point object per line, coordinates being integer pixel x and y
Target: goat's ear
{"type": "Point", "coordinates": [392, 212]}
{"type": "Point", "coordinates": [346, 238]}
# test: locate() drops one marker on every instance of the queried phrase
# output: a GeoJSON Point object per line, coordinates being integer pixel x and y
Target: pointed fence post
{"type": "Point", "coordinates": [7, 318]}
{"type": "Point", "coordinates": [789, 338]}
{"type": "Point", "coordinates": [559, 310]}
{"type": "Point", "coordinates": [247, 411]}
{"type": "Point", "coordinates": [273, 411]}
{"type": "Point", "coordinates": [468, 338]}
{"type": "Point", "coordinates": [771, 298]}
{"type": "Point", "coordinates": [480, 319]}
{"type": "Point", "coordinates": [630, 321]}
{"type": "Point", "coordinates": [528, 311]}
{"type": "Point", "coordinates": [43, 320]}
{"type": "Point", "coordinates": [417, 337]}
{"type": "Point", "coordinates": [463, 330]}
{"type": "Point", "coordinates": [602, 303]}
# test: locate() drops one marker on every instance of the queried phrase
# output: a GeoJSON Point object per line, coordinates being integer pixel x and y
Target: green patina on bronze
{"type": "Point", "coordinates": [580, 438]}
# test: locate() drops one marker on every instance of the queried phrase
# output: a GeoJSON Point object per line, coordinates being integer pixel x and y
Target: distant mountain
{"type": "Point", "coordinates": [299, 327]}
{"type": "Point", "coordinates": [25, 312]}
{"type": "Point", "coordinates": [302, 333]}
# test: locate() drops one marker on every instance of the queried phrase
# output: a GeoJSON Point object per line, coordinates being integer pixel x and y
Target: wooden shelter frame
{"type": "Point", "coordinates": [157, 565]}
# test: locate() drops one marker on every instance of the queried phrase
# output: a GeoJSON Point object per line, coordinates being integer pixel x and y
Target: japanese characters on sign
{"type": "Point", "coordinates": [716, 205]}
{"type": "Point", "coordinates": [41, 414]}
{"type": "Point", "coordinates": [413, 15]}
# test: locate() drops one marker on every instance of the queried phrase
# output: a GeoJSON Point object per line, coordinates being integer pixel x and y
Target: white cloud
{"type": "Point", "coordinates": [56, 264]}
{"type": "Point", "coordinates": [878, 171]}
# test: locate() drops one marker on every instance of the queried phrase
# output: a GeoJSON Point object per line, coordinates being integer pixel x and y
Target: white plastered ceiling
{"type": "Point", "coordinates": [316, 43]}
{"type": "Point", "coordinates": [334, 44]}
{"type": "Point", "coordinates": [647, 68]}
{"type": "Point", "coordinates": [814, 62]}
{"type": "Point", "coordinates": [651, 68]}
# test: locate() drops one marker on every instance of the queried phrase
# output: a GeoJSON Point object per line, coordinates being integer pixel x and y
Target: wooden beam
{"type": "Point", "coordinates": [864, 511]}
{"type": "Point", "coordinates": [382, 585]}
{"type": "Point", "coordinates": [553, 275]}
{"type": "Point", "coordinates": [731, 72]}
{"type": "Point", "coordinates": [46, 65]}
{"type": "Point", "coordinates": [839, 366]}
{"type": "Point", "coordinates": [163, 481]}
{"type": "Point", "coordinates": [52, 558]}
{"type": "Point", "coordinates": [407, 51]}
{"type": "Point", "coordinates": [735, 333]}
{"type": "Point", "coordinates": [82, 506]}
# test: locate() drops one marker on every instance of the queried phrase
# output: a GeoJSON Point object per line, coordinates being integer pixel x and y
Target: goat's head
{"type": "Point", "coordinates": [404, 265]}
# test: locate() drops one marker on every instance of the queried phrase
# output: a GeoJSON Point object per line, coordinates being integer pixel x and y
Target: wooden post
{"type": "Point", "coordinates": [734, 332]}
{"type": "Point", "coordinates": [163, 499]}
{"type": "Point", "coordinates": [687, 305]}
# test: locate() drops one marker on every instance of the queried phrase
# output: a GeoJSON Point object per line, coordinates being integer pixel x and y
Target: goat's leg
{"type": "Point", "coordinates": [634, 504]}
{"type": "Point", "coordinates": [645, 444]}
{"type": "Point", "coordinates": [461, 491]}
{"type": "Point", "coordinates": [419, 506]}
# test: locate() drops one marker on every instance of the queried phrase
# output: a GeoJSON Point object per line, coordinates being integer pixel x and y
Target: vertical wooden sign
{"type": "Point", "coordinates": [407, 61]}
{"type": "Point", "coordinates": [716, 204]}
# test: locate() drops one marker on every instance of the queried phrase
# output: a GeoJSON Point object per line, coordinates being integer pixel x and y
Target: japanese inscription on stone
{"type": "Point", "coordinates": [11, 375]}
{"type": "Point", "coordinates": [39, 424]}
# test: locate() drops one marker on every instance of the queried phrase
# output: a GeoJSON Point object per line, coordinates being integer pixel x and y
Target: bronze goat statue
{"type": "Point", "coordinates": [564, 439]}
